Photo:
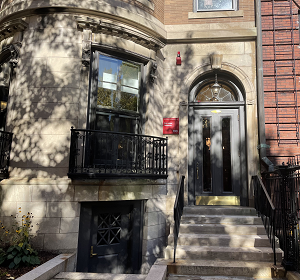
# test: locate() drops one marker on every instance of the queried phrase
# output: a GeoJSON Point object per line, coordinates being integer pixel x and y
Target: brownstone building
{"type": "Point", "coordinates": [110, 103]}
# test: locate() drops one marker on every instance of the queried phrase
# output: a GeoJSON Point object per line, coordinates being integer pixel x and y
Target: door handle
{"type": "Point", "coordinates": [197, 170]}
{"type": "Point", "coordinates": [92, 254]}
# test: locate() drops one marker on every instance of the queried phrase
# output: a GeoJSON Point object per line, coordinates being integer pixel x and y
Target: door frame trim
{"type": "Point", "coordinates": [240, 105]}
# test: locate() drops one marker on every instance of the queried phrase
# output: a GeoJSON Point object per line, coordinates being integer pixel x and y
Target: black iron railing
{"type": "Point", "coordinates": [282, 218]}
{"type": "Point", "coordinates": [283, 188]}
{"type": "Point", "coordinates": [266, 210]}
{"type": "Point", "coordinates": [5, 147]}
{"type": "Point", "coordinates": [111, 154]}
{"type": "Point", "coordinates": [178, 209]}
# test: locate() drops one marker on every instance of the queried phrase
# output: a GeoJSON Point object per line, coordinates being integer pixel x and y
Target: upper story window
{"type": "Point", "coordinates": [118, 84]}
{"type": "Point", "coordinates": [116, 94]}
{"type": "Point", "coordinates": [216, 5]}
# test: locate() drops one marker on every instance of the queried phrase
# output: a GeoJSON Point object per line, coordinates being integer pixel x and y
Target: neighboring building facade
{"type": "Point", "coordinates": [108, 69]}
{"type": "Point", "coordinates": [280, 43]}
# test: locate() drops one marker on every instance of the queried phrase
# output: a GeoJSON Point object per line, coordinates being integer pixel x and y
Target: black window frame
{"type": "Point", "coordinates": [92, 100]}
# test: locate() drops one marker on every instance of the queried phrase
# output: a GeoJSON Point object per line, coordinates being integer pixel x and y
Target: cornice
{"type": "Point", "coordinates": [9, 28]}
{"type": "Point", "coordinates": [118, 30]}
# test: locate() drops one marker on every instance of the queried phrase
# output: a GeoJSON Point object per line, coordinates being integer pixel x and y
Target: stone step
{"type": "Point", "coordinates": [219, 268]}
{"type": "Point", "coordinates": [223, 253]}
{"type": "Point", "coordinates": [219, 210]}
{"type": "Point", "coordinates": [201, 277]}
{"type": "Point", "coordinates": [97, 276]}
{"type": "Point", "coordinates": [222, 229]}
{"type": "Point", "coordinates": [223, 240]}
{"type": "Point", "coordinates": [223, 220]}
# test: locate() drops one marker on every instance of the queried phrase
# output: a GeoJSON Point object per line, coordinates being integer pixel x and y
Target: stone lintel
{"type": "Point", "coordinates": [212, 35]}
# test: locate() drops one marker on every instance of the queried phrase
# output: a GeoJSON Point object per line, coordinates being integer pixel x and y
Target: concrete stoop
{"type": "Point", "coordinates": [221, 242]}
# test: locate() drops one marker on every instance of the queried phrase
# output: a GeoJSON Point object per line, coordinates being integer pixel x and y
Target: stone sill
{"type": "Point", "coordinates": [222, 14]}
{"type": "Point", "coordinates": [147, 3]}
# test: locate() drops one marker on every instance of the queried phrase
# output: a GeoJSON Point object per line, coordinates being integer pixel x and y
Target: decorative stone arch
{"type": "Point", "coordinates": [231, 69]}
{"type": "Point", "coordinates": [193, 78]}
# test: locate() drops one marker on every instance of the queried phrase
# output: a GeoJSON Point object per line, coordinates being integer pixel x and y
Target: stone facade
{"type": "Point", "coordinates": [49, 93]}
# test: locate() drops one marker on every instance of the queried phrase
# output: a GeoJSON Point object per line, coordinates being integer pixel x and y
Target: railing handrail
{"type": "Point", "coordinates": [178, 211]}
{"type": "Point", "coordinates": [266, 193]}
{"type": "Point", "coordinates": [118, 133]}
{"type": "Point", "coordinates": [178, 191]}
{"type": "Point", "coordinates": [271, 224]}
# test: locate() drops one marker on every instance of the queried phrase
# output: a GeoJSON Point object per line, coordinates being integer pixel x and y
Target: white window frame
{"type": "Point", "coordinates": [234, 7]}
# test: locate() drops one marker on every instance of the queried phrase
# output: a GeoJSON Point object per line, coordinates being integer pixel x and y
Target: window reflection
{"type": "Point", "coordinates": [118, 84]}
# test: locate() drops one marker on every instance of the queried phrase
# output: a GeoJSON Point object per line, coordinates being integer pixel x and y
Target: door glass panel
{"type": "Point", "coordinates": [227, 186]}
{"type": "Point", "coordinates": [207, 182]}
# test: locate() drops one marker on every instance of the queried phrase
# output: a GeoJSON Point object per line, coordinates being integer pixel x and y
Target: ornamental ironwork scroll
{"type": "Point", "coordinates": [111, 154]}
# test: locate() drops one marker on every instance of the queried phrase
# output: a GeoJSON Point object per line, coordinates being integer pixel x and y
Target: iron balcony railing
{"type": "Point", "coordinates": [5, 147]}
{"type": "Point", "coordinates": [103, 154]}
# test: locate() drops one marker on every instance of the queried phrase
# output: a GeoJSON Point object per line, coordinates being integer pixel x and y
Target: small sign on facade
{"type": "Point", "coordinates": [171, 126]}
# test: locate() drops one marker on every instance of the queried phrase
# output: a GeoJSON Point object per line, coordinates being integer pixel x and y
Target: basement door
{"type": "Point", "coordinates": [217, 153]}
{"type": "Point", "coordinates": [110, 237]}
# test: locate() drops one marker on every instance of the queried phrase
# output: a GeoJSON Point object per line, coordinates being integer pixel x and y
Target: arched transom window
{"type": "Point", "coordinates": [215, 91]}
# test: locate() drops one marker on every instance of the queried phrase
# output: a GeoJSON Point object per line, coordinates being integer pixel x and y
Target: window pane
{"type": "Point", "coordinates": [118, 84]}
{"type": "Point", "coordinates": [207, 182]}
{"type": "Point", "coordinates": [215, 4]}
{"type": "Point", "coordinates": [116, 123]}
{"type": "Point", "coordinates": [227, 186]}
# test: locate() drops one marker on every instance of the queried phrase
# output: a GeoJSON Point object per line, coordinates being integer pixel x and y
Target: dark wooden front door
{"type": "Point", "coordinates": [217, 146]}
{"type": "Point", "coordinates": [110, 237]}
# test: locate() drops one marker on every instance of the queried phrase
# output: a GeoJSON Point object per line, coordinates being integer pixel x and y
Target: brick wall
{"type": "Point", "coordinates": [281, 62]}
{"type": "Point", "coordinates": [176, 12]}
{"type": "Point", "coordinates": [158, 11]}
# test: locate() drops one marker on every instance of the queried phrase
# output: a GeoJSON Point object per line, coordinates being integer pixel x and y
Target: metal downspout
{"type": "Point", "coordinates": [260, 93]}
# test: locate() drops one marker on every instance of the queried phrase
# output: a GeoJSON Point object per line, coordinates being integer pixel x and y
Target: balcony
{"type": "Point", "coordinates": [102, 154]}
{"type": "Point", "coordinates": [5, 147]}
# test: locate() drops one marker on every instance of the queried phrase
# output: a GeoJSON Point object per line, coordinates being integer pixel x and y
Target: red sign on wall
{"type": "Point", "coordinates": [171, 126]}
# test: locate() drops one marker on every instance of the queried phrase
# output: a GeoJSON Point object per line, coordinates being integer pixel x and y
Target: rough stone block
{"type": "Point", "coordinates": [38, 209]}
{"type": "Point", "coordinates": [125, 192]}
{"type": "Point", "coordinates": [63, 209]}
{"type": "Point", "coordinates": [51, 192]}
{"type": "Point", "coordinates": [46, 225]}
{"type": "Point", "coordinates": [16, 192]}
{"type": "Point", "coordinates": [154, 247]}
{"type": "Point", "coordinates": [68, 225]}
{"type": "Point", "coordinates": [60, 64]}
{"type": "Point", "coordinates": [156, 204]}
{"type": "Point", "coordinates": [61, 242]}
{"type": "Point", "coordinates": [86, 193]}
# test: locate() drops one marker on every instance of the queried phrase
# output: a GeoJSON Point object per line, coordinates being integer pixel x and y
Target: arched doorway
{"type": "Point", "coordinates": [217, 141]}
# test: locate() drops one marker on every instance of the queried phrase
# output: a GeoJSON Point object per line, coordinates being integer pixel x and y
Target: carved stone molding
{"type": "Point", "coordinates": [86, 47]}
{"type": "Point", "coordinates": [9, 28]}
{"type": "Point", "coordinates": [10, 53]}
{"type": "Point", "coordinates": [119, 30]}
{"type": "Point", "coordinates": [152, 75]}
